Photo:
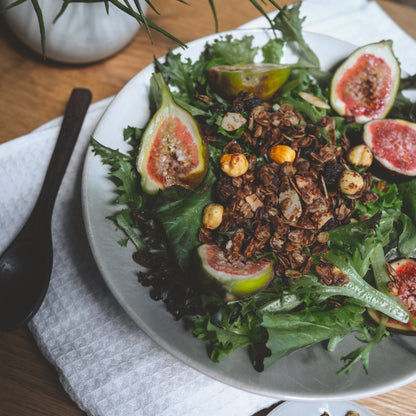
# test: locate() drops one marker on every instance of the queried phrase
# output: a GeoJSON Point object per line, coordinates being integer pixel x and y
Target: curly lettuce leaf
{"type": "Point", "coordinates": [230, 332]}
{"type": "Point", "coordinates": [273, 51]}
{"type": "Point", "coordinates": [231, 51]}
{"type": "Point", "coordinates": [289, 23]}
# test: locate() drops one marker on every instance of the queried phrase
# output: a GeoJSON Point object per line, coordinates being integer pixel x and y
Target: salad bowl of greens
{"type": "Point", "coordinates": [318, 358]}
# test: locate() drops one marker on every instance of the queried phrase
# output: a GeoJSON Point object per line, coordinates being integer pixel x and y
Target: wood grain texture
{"type": "Point", "coordinates": [33, 91]}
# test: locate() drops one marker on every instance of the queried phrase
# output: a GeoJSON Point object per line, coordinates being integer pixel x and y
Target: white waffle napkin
{"type": "Point", "coordinates": [106, 363]}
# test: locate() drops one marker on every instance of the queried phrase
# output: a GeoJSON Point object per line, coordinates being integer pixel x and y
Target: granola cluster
{"type": "Point", "coordinates": [285, 208]}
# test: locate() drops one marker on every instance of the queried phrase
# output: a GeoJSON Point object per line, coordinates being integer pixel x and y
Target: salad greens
{"type": "Point", "coordinates": [287, 316]}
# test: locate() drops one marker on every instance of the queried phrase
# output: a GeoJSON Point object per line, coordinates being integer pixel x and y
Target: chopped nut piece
{"type": "Point", "coordinates": [254, 202]}
{"type": "Point", "coordinates": [281, 153]}
{"type": "Point", "coordinates": [234, 164]}
{"type": "Point", "coordinates": [286, 207]}
{"type": "Point", "coordinates": [289, 202]}
{"type": "Point", "coordinates": [205, 99]}
{"type": "Point", "coordinates": [311, 99]}
{"type": "Point", "coordinates": [322, 237]}
{"type": "Point", "coordinates": [321, 218]}
{"type": "Point", "coordinates": [212, 217]}
{"type": "Point", "coordinates": [351, 182]}
{"type": "Point", "coordinates": [233, 121]}
{"type": "Point", "coordinates": [360, 156]}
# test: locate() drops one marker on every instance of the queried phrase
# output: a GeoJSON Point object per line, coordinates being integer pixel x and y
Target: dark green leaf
{"type": "Point", "coordinates": [294, 331]}
{"type": "Point", "coordinates": [179, 210]}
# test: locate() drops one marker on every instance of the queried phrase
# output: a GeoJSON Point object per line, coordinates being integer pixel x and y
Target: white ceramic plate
{"type": "Point", "coordinates": [306, 375]}
{"type": "Point", "coordinates": [318, 408]}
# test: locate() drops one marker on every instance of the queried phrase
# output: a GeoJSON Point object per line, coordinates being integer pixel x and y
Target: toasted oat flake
{"type": "Point", "coordinates": [285, 209]}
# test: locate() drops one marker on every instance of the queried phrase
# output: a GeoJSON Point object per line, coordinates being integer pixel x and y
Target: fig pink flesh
{"type": "Point", "coordinates": [174, 152]}
{"type": "Point", "coordinates": [365, 87]}
{"type": "Point", "coordinates": [394, 142]}
{"type": "Point", "coordinates": [215, 259]}
{"type": "Point", "coordinates": [407, 291]}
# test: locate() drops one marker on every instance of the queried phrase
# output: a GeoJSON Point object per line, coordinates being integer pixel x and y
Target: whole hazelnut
{"type": "Point", "coordinates": [351, 182]}
{"type": "Point", "coordinates": [212, 216]}
{"type": "Point", "coordinates": [281, 153]}
{"type": "Point", "coordinates": [360, 156]}
{"type": "Point", "coordinates": [234, 164]}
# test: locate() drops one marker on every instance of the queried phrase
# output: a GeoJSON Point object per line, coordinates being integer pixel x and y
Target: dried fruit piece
{"type": "Point", "coordinates": [393, 144]}
{"type": "Point", "coordinates": [238, 278]}
{"type": "Point", "coordinates": [405, 287]}
{"type": "Point", "coordinates": [365, 85]}
{"type": "Point", "coordinates": [262, 80]}
{"type": "Point", "coordinates": [172, 151]}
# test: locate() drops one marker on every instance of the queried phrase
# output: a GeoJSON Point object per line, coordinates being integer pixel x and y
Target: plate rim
{"type": "Point", "coordinates": [160, 340]}
{"type": "Point", "coordinates": [349, 403]}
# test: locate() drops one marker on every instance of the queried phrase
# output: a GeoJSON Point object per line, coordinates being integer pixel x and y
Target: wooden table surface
{"type": "Point", "coordinates": [33, 92]}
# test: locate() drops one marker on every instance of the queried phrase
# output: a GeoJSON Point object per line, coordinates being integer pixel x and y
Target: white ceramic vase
{"type": "Point", "coordinates": [84, 33]}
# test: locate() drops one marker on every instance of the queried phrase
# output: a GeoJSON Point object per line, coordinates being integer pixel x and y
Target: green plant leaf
{"type": "Point", "coordinates": [179, 211]}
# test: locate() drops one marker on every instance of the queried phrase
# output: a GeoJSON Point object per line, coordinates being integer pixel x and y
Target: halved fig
{"type": "Point", "coordinates": [393, 144]}
{"type": "Point", "coordinates": [172, 151]}
{"type": "Point", "coordinates": [238, 279]}
{"type": "Point", "coordinates": [405, 290]}
{"type": "Point", "coordinates": [263, 80]}
{"type": "Point", "coordinates": [365, 85]}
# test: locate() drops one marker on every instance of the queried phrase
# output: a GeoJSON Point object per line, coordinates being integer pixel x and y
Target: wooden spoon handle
{"type": "Point", "coordinates": [74, 115]}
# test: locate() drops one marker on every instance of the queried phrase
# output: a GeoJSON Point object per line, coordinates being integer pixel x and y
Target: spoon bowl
{"type": "Point", "coordinates": [26, 265]}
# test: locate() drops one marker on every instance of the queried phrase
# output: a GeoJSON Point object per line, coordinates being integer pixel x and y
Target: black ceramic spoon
{"type": "Point", "coordinates": [26, 265]}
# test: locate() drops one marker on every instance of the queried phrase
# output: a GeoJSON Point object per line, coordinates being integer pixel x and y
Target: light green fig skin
{"type": "Point", "coordinates": [381, 49]}
{"type": "Point", "coordinates": [235, 285]}
{"type": "Point", "coordinates": [263, 80]}
{"type": "Point", "coordinates": [167, 108]}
